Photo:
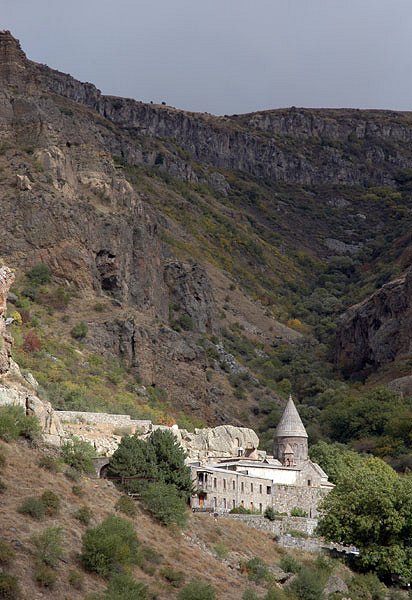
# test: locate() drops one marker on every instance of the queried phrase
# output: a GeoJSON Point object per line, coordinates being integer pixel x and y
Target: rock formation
{"type": "Point", "coordinates": [376, 331]}
{"type": "Point", "coordinates": [14, 388]}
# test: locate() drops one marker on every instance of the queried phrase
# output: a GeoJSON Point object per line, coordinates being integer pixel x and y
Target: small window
{"type": "Point", "coordinates": [215, 501]}
{"type": "Point", "coordinates": [234, 484]}
{"type": "Point", "coordinates": [251, 487]}
{"type": "Point", "coordinates": [260, 489]}
{"type": "Point", "coordinates": [215, 483]}
{"type": "Point", "coordinates": [233, 504]}
{"type": "Point", "coordinates": [269, 489]}
{"type": "Point", "coordinates": [224, 502]}
{"type": "Point", "coordinates": [242, 487]}
{"type": "Point", "coordinates": [260, 508]}
{"type": "Point", "coordinates": [242, 503]}
{"type": "Point", "coordinates": [224, 484]}
{"type": "Point", "coordinates": [309, 482]}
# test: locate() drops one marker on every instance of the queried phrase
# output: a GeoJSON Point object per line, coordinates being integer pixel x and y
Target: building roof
{"type": "Point", "coordinates": [290, 425]}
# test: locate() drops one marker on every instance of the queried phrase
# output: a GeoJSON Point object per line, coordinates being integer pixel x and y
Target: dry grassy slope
{"type": "Point", "coordinates": [183, 551]}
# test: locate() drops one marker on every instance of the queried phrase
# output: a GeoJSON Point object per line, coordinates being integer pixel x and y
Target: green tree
{"type": "Point", "coordinates": [79, 455]}
{"type": "Point", "coordinates": [371, 508]}
{"type": "Point", "coordinates": [110, 547]}
{"type": "Point", "coordinates": [170, 459]}
{"type": "Point", "coordinates": [197, 590]}
{"type": "Point", "coordinates": [134, 458]}
{"type": "Point", "coordinates": [122, 587]}
{"type": "Point", "coordinates": [335, 459]}
{"type": "Point", "coordinates": [165, 503]}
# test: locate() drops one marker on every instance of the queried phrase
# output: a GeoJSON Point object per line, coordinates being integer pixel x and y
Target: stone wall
{"type": "Point", "coordinates": [287, 497]}
{"type": "Point", "coordinates": [278, 527]}
{"type": "Point", "coordinates": [91, 418]}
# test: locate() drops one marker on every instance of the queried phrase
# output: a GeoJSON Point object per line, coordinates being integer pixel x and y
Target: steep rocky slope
{"type": "Point", "coordinates": [195, 248]}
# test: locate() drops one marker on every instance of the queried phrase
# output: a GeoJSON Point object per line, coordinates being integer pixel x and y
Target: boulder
{"type": "Point", "coordinates": [335, 585]}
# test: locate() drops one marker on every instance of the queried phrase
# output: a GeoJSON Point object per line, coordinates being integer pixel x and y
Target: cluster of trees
{"type": "Point", "coordinates": [155, 469]}
{"type": "Point", "coordinates": [370, 508]}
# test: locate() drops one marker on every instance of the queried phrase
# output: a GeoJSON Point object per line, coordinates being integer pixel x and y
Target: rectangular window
{"type": "Point", "coordinates": [224, 484]}
{"type": "Point", "coordinates": [233, 504]}
{"type": "Point", "coordinates": [309, 482]}
{"type": "Point", "coordinates": [269, 489]}
{"type": "Point", "coordinates": [242, 487]}
{"type": "Point", "coordinates": [215, 502]}
{"type": "Point", "coordinates": [251, 487]}
{"type": "Point", "coordinates": [224, 502]}
{"type": "Point", "coordinates": [260, 508]}
{"type": "Point", "coordinates": [215, 483]}
{"type": "Point", "coordinates": [234, 484]}
{"type": "Point", "coordinates": [260, 489]}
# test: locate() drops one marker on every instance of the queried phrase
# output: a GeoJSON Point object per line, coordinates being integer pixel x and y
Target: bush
{"type": "Point", "coordinates": [3, 487]}
{"type": "Point", "coordinates": [49, 546]}
{"type": "Point", "coordinates": [289, 564]}
{"type": "Point", "coordinates": [175, 578]}
{"type": "Point", "coordinates": [39, 275]}
{"type": "Point", "coordinates": [51, 502]}
{"type": "Point", "coordinates": [240, 510]}
{"type": "Point", "coordinates": [221, 550]}
{"type": "Point", "coordinates": [127, 506]}
{"type": "Point", "coordinates": [31, 342]}
{"type": "Point", "coordinates": [197, 590]}
{"type": "Point", "coordinates": [76, 579]}
{"type": "Point", "coordinates": [77, 490]}
{"type": "Point", "coordinates": [79, 331]}
{"type": "Point", "coordinates": [109, 547]}
{"type": "Point", "coordinates": [165, 504]}
{"type": "Point", "coordinates": [367, 587]}
{"type": "Point", "coordinates": [270, 514]}
{"type": "Point", "coordinates": [123, 587]}
{"type": "Point", "coordinates": [49, 463]}
{"type": "Point", "coordinates": [33, 507]}
{"type": "Point", "coordinates": [307, 585]}
{"type": "Point", "coordinates": [44, 576]}
{"type": "Point", "coordinates": [7, 553]}
{"type": "Point", "coordinates": [257, 570]}
{"type": "Point", "coordinates": [298, 512]}
{"type": "Point", "coordinates": [84, 515]}
{"type": "Point", "coordinates": [15, 423]}
{"type": "Point", "coordinates": [79, 455]}
{"type": "Point", "coordinates": [73, 474]}
{"type": "Point", "coordinates": [9, 587]}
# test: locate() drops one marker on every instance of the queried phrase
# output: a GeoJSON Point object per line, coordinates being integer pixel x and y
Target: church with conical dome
{"type": "Point", "coordinates": [288, 482]}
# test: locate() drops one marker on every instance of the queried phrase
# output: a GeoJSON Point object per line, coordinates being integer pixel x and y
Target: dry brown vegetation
{"type": "Point", "coordinates": [190, 551]}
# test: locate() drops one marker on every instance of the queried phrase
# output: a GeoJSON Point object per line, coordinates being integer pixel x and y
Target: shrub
{"type": "Point", "coordinates": [14, 423]}
{"type": "Point", "coordinates": [39, 275]}
{"type": "Point", "coordinates": [270, 514]}
{"type": "Point", "coordinates": [73, 474]}
{"type": "Point", "coordinates": [175, 578]}
{"type": "Point", "coordinates": [84, 515]}
{"type": "Point", "coordinates": [76, 579]}
{"type": "Point", "coordinates": [298, 512]}
{"type": "Point", "coordinates": [221, 550]}
{"type": "Point", "coordinates": [79, 331]}
{"type": "Point", "coordinates": [123, 587]}
{"type": "Point", "coordinates": [31, 342]}
{"type": "Point", "coordinates": [51, 502]}
{"type": "Point", "coordinates": [240, 510]}
{"type": "Point", "coordinates": [49, 545]}
{"type": "Point", "coordinates": [3, 487]}
{"type": "Point", "coordinates": [109, 547]}
{"type": "Point", "coordinates": [9, 587]}
{"type": "Point", "coordinates": [44, 576]}
{"type": "Point", "coordinates": [257, 570]}
{"type": "Point", "coordinates": [307, 585]}
{"type": "Point", "coordinates": [289, 564]}
{"type": "Point", "coordinates": [77, 490]}
{"type": "Point", "coordinates": [7, 553]}
{"type": "Point", "coordinates": [250, 594]}
{"type": "Point", "coordinates": [49, 463]}
{"type": "Point", "coordinates": [127, 506]}
{"type": "Point", "coordinates": [165, 504]}
{"type": "Point", "coordinates": [33, 507]}
{"type": "Point", "coordinates": [367, 587]}
{"type": "Point", "coordinates": [79, 455]}
{"type": "Point", "coordinates": [197, 590]}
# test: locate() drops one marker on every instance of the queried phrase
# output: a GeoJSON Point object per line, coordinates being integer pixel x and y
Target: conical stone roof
{"type": "Point", "coordinates": [290, 425]}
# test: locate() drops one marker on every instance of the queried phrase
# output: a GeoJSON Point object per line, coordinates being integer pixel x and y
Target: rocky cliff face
{"type": "Point", "coordinates": [14, 388]}
{"type": "Point", "coordinates": [378, 330]}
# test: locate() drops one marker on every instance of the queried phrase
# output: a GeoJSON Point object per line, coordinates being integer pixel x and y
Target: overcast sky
{"type": "Point", "coordinates": [226, 56]}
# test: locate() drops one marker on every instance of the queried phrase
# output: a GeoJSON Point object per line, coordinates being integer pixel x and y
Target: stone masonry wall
{"type": "Point", "coordinates": [278, 527]}
{"type": "Point", "coordinates": [72, 416]}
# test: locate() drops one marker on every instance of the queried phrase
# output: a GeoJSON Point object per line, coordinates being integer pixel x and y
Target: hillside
{"type": "Point", "coordinates": [197, 266]}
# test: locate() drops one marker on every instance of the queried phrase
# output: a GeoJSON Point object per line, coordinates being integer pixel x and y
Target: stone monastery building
{"type": "Point", "coordinates": [285, 481]}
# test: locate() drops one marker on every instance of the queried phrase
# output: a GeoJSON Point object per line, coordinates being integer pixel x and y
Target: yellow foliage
{"type": "Point", "coordinates": [17, 317]}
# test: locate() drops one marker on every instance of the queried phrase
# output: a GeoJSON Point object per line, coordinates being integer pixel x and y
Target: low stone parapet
{"type": "Point", "coordinates": [280, 526]}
